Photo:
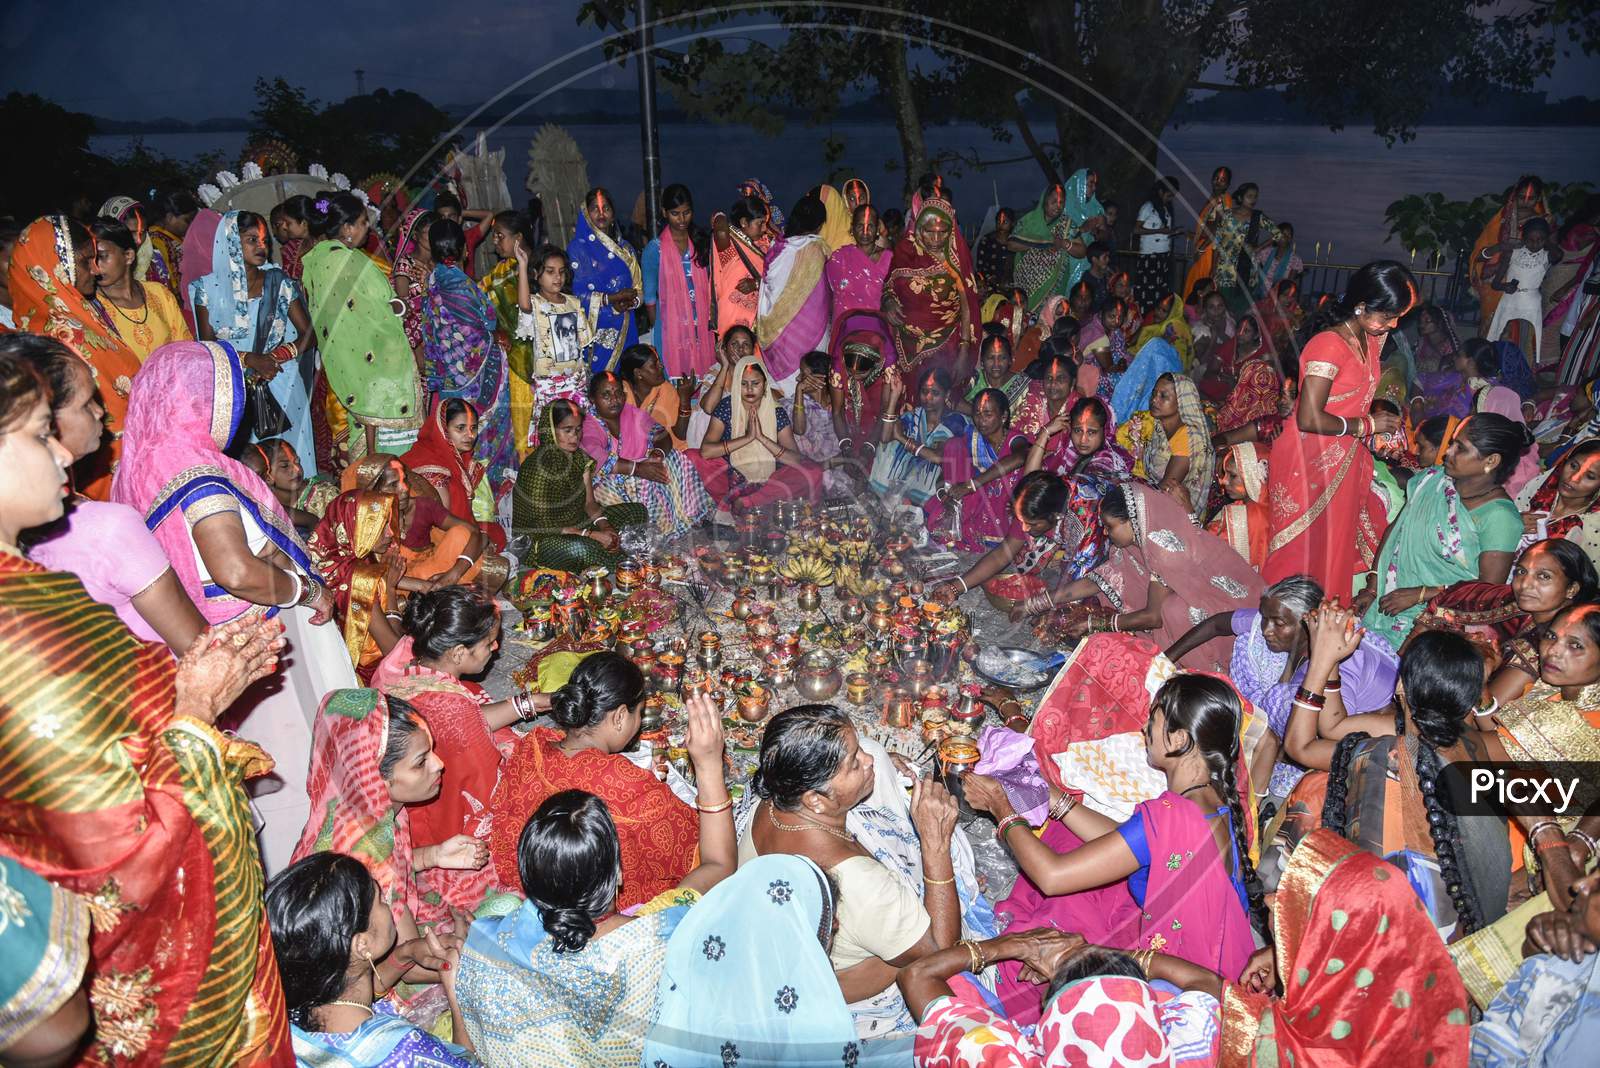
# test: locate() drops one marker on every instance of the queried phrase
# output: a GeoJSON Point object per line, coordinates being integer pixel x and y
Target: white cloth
{"type": "Point", "coordinates": [1527, 269]}
{"type": "Point", "coordinates": [1152, 243]}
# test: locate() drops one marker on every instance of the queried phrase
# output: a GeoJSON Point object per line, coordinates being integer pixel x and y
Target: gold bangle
{"type": "Point", "coordinates": [974, 955]}
{"type": "Point", "coordinates": [937, 882]}
{"type": "Point", "coordinates": [714, 809]}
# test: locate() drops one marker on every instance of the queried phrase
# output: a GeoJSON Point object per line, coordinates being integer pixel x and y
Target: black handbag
{"type": "Point", "coordinates": [264, 417]}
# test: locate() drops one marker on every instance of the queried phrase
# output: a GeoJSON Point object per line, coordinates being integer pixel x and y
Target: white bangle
{"type": "Point", "coordinates": [1344, 427]}
{"type": "Point", "coordinates": [299, 590]}
{"type": "Point", "coordinates": [464, 558]}
{"type": "Point", "coordinates": [964, 587]}
{"type": "Point", "coordinates": [1494, 706]}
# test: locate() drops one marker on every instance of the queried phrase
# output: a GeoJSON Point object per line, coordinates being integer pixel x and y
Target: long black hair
{"type": "Point", "coordinates": [332, 210]}
{"type": "Point", "coordinates": [570, 865]}
{"type": "Point", "coordinates": [1493, 434]}
{"type": "Point", "coordinates": [315, 908]}
{"type": "Point", "coordinates": [442, 619]}
{"type": "Point", "coordinates": [677, 195]}
{"type": "Point", "coordinates": [1381, 286]}
{"type": "Point", "coordinates": [1209, 710]}
{"type": "Point", "coordinates": [1041, 495]}
{"type": "Point", "coordinates": [801, 751]}
{"type": "Point", "coordinates": [1163, 210]}
{"type": "Point", "coordinates": [597, 686]}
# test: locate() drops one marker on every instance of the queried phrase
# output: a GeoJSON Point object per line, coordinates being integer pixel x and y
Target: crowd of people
{"type": "Point", "coordinates": [262, 478]}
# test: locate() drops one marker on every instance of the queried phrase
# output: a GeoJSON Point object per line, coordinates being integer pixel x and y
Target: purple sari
{"type": "Point", "coordinates": [986, 514]}
{"type": "Point", "coordinates": [464, 359]}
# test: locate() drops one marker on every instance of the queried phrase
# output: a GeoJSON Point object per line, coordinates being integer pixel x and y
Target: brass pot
{"type": "Point", "coordinates": [818, 676]}
{"type": "Point", "coordinates": [753, 705]}
{"type": "Point", "coordinates": [809, 599]}
{"type": "Point", "coordinates": [742, 602]}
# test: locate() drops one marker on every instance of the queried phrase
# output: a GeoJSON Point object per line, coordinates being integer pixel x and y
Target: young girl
{"type": "Point", "coordinates": [980, 468]}
{"type": "Point", "coordinates": [254, 306]}
{"type": "Point", "coordinates": [291, 225]}
{"type": "Point", "coordinates": [677, 287]}
{"type": "Point", "coordinates": [1519, 276]}
{"type": "Point", "coordinates": [462, 354]}
{"type": "Point", "coordinates": [911, 450]}
{"type": "Point", "coordinates": [817, 412]}
{"type": "Point", "coordinates": [144, 316]}
{"type": "Point", "coordinates": [556, 323]}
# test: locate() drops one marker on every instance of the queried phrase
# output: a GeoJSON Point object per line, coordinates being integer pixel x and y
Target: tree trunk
{"type": "Point", "coordinates": [1046, 164]}
{"type": "Point", "coordinates": [907, 119]}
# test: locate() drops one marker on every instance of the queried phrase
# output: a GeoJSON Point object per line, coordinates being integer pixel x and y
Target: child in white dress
{"type": "Point", "coordinates": [1521, 274]}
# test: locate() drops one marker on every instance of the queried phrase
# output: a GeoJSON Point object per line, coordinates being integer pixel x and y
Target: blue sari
{"type": "Point", "coordinates": [1132, 394]}
{"type": "Point", "coordinates": [898, 470]}
{"type": "Point", "coordinates": [603, 265]}
{"type": "Point", "coordinates": [384, 1041]}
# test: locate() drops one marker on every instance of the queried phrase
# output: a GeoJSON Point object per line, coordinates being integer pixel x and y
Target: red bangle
{"type": "Point", "coordinates": [283, 353]}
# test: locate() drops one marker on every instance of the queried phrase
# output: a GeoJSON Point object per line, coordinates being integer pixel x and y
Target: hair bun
{"type": "Point", "coordinates": [570, 929]}
{"type": "Point", "coordinates": [569, 706]}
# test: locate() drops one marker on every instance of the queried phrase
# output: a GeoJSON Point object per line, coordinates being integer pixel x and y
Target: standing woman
{"type": "Point", "coordinates": [52, 291]}
{"type": "Point", "coordinates": [462, 354]}
{"type": "Point", "coordinates": [1152, 279]}
{"type": "Point", "coordinates": [606, 278]}
{"type": "Point", "coordinates": [236, 552]}
{"type": "Point", "coordinates": [930, 297]}
{"type": "Point", "coordinates": [1204, 253]}
{"type": "Point", "coordinates": [251, 304]}
{"type": "Point", "coordinates": [171, 211]}
{"type": "Point", "coordinates": [291, 225]}
{"type": "Point", "coordinates": [740, 239]}
{"type": "Point", "coordinates": [677, 287]}
{"type": "Point", "coordinates": [372, 374]}
{"type": "Point", "coordinates": [795, 310]}
{"type": "Point", "coordinates": [119, 787]}
{"type": "Point", "coordinates": [1240, 232]}
{"type": "Point", "coordinates": [1320, 473]}
{"type": "Point", "coordinates": [1043, 240]}
{"type": "Point", "coordinates": [856, 272]}
{"type": "Point", "coordinates": [145, 317]}
{"type": "Point", "coordinates": [413, 263]}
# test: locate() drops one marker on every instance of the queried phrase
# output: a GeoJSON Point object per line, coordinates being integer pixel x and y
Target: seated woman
{"type": "Point", "coordinates": [860, 378]}
{"type": "Point", "coordinates": [907, 465]}
{"type": "Point", "coordinates": [531, 981]}
{"type": "Point", "coordinates": [1173, 878]}
{"type": "Point", "coordinates": [980, 471]}
{"type": "Point", "coordinates": [994, 372]}
{"type": "Point", "coordinates": [305, 499]}
{"type": "Point", "coordinates": [768, 957]}
{"type": "Point", "coordinates": [818, 413]}
{"type": "Point", "coordinates": [750, 433]}
{"type": "Point", "coordinates": [1257, 379]}
{"type": "Point", "coordinates": [351, 548]}
{"type": "Point", "coordinates": [665, 401]}
{"type": "Point", "coordinates": [1172, 441]}
{"type": "Point", "coordinates": [1554, 986]}
{"type": "Point", "coordinates": [1080, 980]}
{"type": "Point", "coordinates": [1161, 575]}
{"type": "Point", "coordinates": [1087, 449]}
{"type": "Point", "coordinates": [1167, 321]}
{"type": "Point", "coordinates": [1104, 351]}
{"type": "Point", "coordinates": [445, 455]}
{"type": "Point", "coordinates": [1564, 502]}
{"type": "Point", "coordinates": [812, 771]}
{"type": "Point", "coordinates": [554, 503]}
{"type": "Point", "coordinates": [331, 926]}
{"type": "Point", "coordinates": [596, 718]}
{"type": "Point", "coordinates": [372, 760]}
{"type": "Point", "coordinates": [1270, 659]}
{"type": "Point", "coordinates": [633, 464]}
{"type": "Point", "coordinates": [438, 547]}
{"type": "Point", "coordinates": [1458, 525]}
{"type": "Point", "coordinates": [1047, 397]}
{"type": "Point", "coordinates": [1049, 515]}
{"type": "Point", "coordinates": [1243, 521]}
{"type": "Point", "coordinates": [452, 634]}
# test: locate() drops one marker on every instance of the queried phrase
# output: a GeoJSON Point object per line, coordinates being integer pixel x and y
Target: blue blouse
{"type": "Point", "coordinates": [1139, 882]}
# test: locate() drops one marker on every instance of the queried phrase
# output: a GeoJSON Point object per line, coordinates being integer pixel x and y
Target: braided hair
{"type": "Point", "coordinates": [1209, 710]}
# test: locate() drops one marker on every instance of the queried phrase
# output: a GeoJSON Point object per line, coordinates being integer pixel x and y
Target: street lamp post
{"type": "Point", "coordinates": [649, 142]}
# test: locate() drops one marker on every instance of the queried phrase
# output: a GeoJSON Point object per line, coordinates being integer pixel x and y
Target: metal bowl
{"type": "Point", "coordinates": [1019, 670]}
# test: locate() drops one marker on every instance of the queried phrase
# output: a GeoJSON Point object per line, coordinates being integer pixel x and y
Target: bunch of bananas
{"type": "Point", "coordinates": [807, 567]}
{"type": "Point", "coordinates": [813, 545]}
{"type": "Point", "coordinates": [849, 576]}
{"type": "Point", "coordinates": [855, 550]}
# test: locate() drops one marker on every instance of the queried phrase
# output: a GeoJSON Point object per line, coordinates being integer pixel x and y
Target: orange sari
{"type": "Point", "coordinates": [1320, 507]}
{"type": "Point", "coordinates": [45, 301]}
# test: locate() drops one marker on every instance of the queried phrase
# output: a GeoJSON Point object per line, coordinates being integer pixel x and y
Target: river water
{"type": "Point", "coordinates": [1333, 186]}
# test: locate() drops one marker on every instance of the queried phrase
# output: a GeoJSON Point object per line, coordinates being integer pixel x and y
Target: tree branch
{"type": "Point", "coordinates": [1228, 87]}
{"type": "Point", "coordinates": [1036, 150]}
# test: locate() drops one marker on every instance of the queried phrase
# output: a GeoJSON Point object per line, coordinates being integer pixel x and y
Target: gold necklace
{"type": "Point", "coordinates": [773, 816]}
{"type": "Point", "coordinates": [125, 315]}
{"type": "Point", "coordinates": [354, 1005]}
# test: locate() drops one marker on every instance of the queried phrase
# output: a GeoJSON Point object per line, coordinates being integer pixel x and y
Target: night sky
{"type": "Point", "coordinates": [139, 59]}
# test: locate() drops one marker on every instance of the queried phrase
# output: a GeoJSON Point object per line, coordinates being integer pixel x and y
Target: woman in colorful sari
{"type": "Point", "coordinates": [173, 212]}
{"type": "Point", "coordinates": [1395, 999]}
{"type": "Point", "coordinates": [980, 470]}
{"type": "Point", "coordinates": [751, 433]}
{"type": "Point", "coordinates": [251, 304]}
{"type": "Point", "coordinates": [1104, 350]}
{"type": "Point", "coordinates": [1173, 443]}
{"type": "Point", "coordinates": [1162, 575]}
{"type": "Point", "coordinates": [350, 547]}
{"type": "Point", "coordinates": [463, 355]}
{"type": "Point", "coordinates": [860, 376]}
{"type": "Point", "coordinates": [530, 981]}
{"type": "Point", "coordinates": [513, 230]}
{"type": "Point", "coordinates": [119, 787]}
{"type": "Point", "coordinates": [930, 297]}
{"type": "Point", "coordinates": [1134, 386]}
{"type": "Point", "coordinates": [1258, 382]}
{"type": "Point", "coordinates": [606, 278]}
{"type": "Point", "coordinates": [795, 309]}
{"type": "Point", "coordinates": [235, 551]}
{"type": "Point", "coordinates": [1276, 263]}
{"type": "Point", "coordinates": [52, 288]}
{"type": "Point", "coordinates": [1049, 515]}
{"type": "Point", "coordinates": [1080, 443]}
{"type": "Point", "coordinates": [1051, 241]}
{"type": "Point", "coordinates": [1242, 521]}
{"type": "Point", "coordinates": [1168, 323]}
{"type": "Point", "coordinates": [596, 716]}
{"type": "Point", "coordinates": [1320, 475]}
{"type": "Point", "coordinates": [437, 547]}
{"type": "Point", "coordinates": [676, 265]}
{"type": "Point", "coordinates": [738, 1003]}
{"type": "Point", "coordinates": [1240, 233]}
{"type": "Point", "coordinates": [413, 263]}
{"type": "Point", "coordinates": [1522, 201]}
{"type": "Point", "coordinates": [631, 466]}
{"type": "Point", "coordinates": [554, 503]}
{"type": "Point", "coordinates": [452, 634]}
{"type": "Point", "coordinates": [145, 317]}
{"type": "Point", "coordinates": [1458, 525]}
{"type": "Point", "coordinates": [1564, 502]}
{"type": "Point", "coordinates": [739, 241]}
{"type": "Point", "coordinates": [329, 920]}
{"type": "Point", "coordinates": [1173, 878]}
{"type": "Point", "coordinates": [908, 462]}
{"type": "Point", "coordinates": [1204, 252]}
{"type": "Point", "coordinates": [444, 455]}
{"type": "Point", "coordinates": [856, 271]}
{"type": "Point", "coordinates": [994, 372]}
{"type": "Point", "coordinates": [371, 371]}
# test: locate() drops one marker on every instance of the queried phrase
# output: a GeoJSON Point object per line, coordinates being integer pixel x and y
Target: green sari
{"type": "Point", "coordinates": [365, 354]}
{"type": "Point", "coordinates": [550, 496]}
{"type": "Point", "coordinates": [1044, 272]}
{"type": "Point", "coordinates": [1435, 541]}
{"type": "Point", "coordinates": [44, 948]}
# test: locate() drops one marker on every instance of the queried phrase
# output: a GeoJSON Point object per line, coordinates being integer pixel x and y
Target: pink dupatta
{"type": "Point", "coordinates": [793, 315]}
{"type": "Point", "coordinates": [184, 408]}
{"type": "Point", "coordinates": [195, 261]}
{"type": "Point", "coordinates": [637, 426]}
{"type": "Point", "coordinates": [1502, 400]}
{"type": "Point", "coordinates": [687, 345]}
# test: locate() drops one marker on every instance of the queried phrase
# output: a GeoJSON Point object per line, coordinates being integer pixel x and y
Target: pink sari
{"type": "Point", "coordinates": [855, 279]}
{"type": "Point", "coordinates": [194, 262]}
{"type": "Point", "coordinates": [683, 326]}
{"type": "Point", "coordinates": [636, 425]}
{"type": "Point", "coordinates": [986, 514]}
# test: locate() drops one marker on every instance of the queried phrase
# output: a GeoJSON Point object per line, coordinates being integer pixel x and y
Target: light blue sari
{"type": "Point", "coordinates": [1546, 1016]}
{"type": "Point", "coordinates": [748, 982]}
{"type": "Point", "coordinates": [384, 1041]}
{"type": "Point", "coordinates": [1132, 394]}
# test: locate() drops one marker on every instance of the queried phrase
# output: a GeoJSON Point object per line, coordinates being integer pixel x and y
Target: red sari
{"type": "Point", "coordinates": [453, 473]}
{"type": "Point", "coordinates": [1255, 394]}
{"type": "Point", "coordinates": [453, 710]}
{"type": "Point", "coordinates": [657, 833]}
{"type": "Point", "coordinates": [1318, 487]}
